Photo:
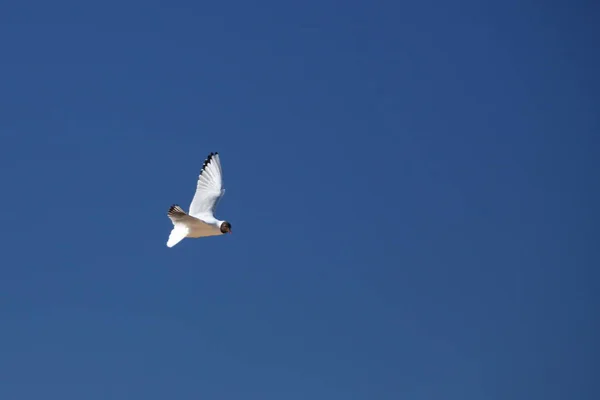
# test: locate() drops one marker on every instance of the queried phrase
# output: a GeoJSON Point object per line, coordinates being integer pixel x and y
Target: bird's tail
{"type": "Point", "coordinates": [178, 233]}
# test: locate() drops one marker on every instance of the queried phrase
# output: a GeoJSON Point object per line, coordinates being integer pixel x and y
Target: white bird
{"type": "Point", "coordinates": [201, 222]}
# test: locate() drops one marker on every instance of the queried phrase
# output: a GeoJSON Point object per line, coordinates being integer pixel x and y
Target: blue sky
{"type": "Point", "coordinates": [410, 184]}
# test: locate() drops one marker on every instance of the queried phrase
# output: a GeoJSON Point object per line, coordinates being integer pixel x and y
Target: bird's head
{"type": "Point", "coordinates": [225, 227]}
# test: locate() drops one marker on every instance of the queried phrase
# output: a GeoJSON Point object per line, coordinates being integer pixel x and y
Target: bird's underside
{"type": "Point", "coordinates": [184, 225]}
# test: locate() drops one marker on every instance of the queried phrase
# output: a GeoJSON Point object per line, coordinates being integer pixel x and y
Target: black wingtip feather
{"type": "Point", "coordinates": [175, 209]}
{"type": "Point", "coordinates": [208, 159]}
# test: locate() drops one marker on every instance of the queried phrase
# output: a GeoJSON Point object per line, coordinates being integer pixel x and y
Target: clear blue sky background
{"type": "Point", "coordinates": [411, 186]}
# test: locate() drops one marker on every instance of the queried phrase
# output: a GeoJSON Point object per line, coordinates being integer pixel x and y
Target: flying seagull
{"type": "Point", "coordinates": [201, 222]}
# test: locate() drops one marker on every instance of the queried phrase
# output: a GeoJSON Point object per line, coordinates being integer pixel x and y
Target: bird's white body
{"type": "Point", "coordinates": [204, 227]}
{"type": "Point", "coordinates": [201, 222]}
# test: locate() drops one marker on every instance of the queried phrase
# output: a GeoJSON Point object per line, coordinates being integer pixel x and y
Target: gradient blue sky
{"type": "Point", "coordinates": [411, 188]}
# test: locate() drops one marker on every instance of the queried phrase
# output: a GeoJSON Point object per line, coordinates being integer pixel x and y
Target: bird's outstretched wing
{"type": "Point", "coordinates": [209, 189]}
